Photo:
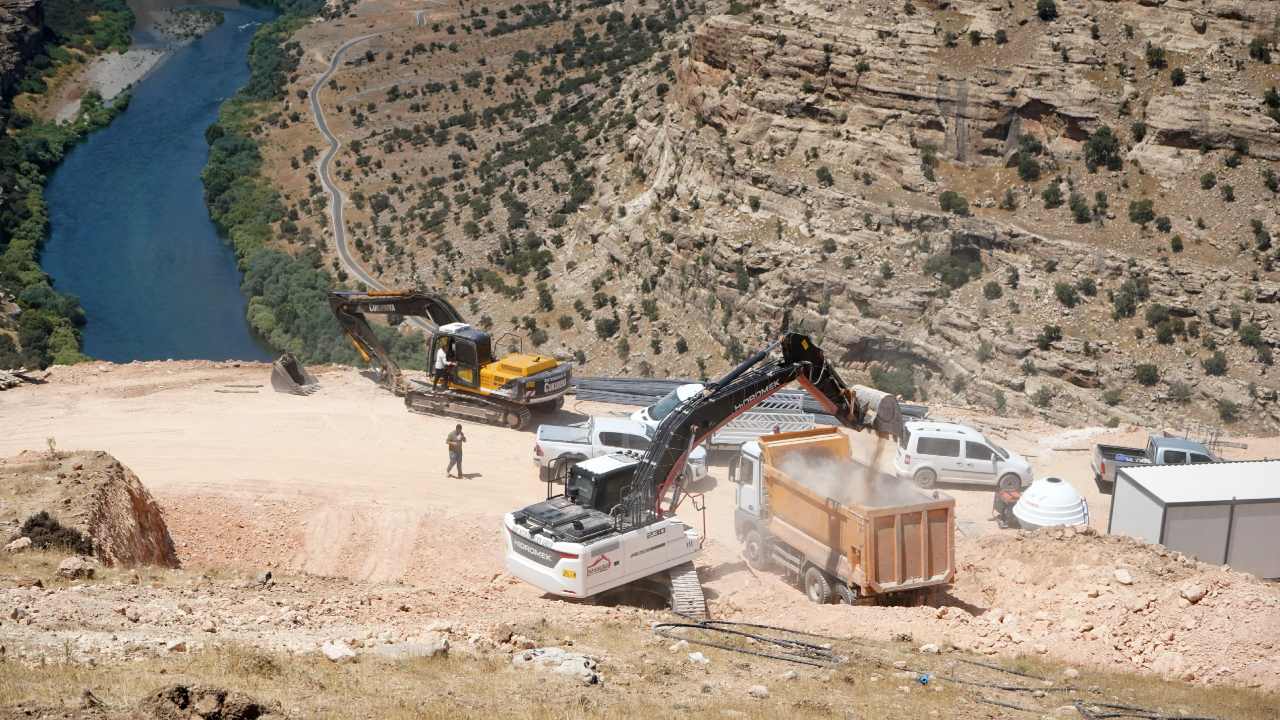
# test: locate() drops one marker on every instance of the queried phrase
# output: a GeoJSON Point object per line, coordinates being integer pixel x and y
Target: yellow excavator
{"type": "Point", "coordinates": [474, 384]}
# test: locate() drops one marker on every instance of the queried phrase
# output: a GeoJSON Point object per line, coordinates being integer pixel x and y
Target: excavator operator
{"type": "Point", "coordinates": [443, 365]}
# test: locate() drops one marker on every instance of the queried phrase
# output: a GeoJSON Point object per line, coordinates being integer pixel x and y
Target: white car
{"type": "Point", "coordinates": [559, 447]}
{"type": "Point", "coordinates": [934, 452]}
{"type": "Point", "coordinates": [654, 414]}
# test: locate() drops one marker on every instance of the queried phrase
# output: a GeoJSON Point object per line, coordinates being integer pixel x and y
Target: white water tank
{"type": "Point", "coordinates": [1051, 502]}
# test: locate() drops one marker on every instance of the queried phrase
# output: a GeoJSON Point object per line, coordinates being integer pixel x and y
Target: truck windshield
{"type": "Point", "coordinates": [663, 407]}
{"type": "Point", "coordinates": [1004, 454]}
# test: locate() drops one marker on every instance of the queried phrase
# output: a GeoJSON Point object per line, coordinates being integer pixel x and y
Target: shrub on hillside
{"type": "Point", "coordinates": [898, 380]}
{"type": "Point", "coordinates": [1215, 364]}
{"type": "Point", "coordinates": [1228, 410]}
{"type": "Point", "coordinates": [1052, 196]}
{"type": "Point", "coordinates": [1049, 335]}
{"type": "Point", "coordinates": [992, 290]}
{"type": "Point", "coordinates": [953, 202]}
{"type": "Point", "coordinates": [1146, 374]}
{"type": "Point", "coordinates": [953, 270]}
{"type": "Point", "coordinates": [46, 532]}
{"type": "Point", "coordinates": [1066, 294]}
{"type": "Point", "coordinates": [1141, 212]}
{"type": "Point", "coordinates": [1102, 150]}
{"type": "Point", "coordinates": [1047, 10]}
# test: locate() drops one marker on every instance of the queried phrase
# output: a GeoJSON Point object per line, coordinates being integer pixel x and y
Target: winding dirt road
{"type": "Point", "coordinates": [336, 198]}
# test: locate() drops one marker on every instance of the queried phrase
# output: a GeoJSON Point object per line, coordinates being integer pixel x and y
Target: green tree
{"type": "Point", "coordinates": [1052, 196]}
{"type": "Point", "coordinates": [1047, 10]}
{"type": "Point", "coordinates": [953, 202]}
{"type": "Point", "coordinates": [1102, 149]}
{"type": "Point", "coordinates": [1141, 212]}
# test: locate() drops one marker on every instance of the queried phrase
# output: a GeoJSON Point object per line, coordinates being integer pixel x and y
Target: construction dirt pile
{"type": "Point", "coordinates": [1105, 602]}
{"type": "Point", "coordinates": [89, 492]}
{"type": "Point", "coordinates": [1112, 600]}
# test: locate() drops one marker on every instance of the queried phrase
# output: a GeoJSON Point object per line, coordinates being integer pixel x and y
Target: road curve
{"type": "Point", "coordinates": [336, 198]}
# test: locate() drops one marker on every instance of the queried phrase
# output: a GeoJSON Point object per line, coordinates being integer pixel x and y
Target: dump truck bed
{"type": "Point", "coordinates": [868, 529]}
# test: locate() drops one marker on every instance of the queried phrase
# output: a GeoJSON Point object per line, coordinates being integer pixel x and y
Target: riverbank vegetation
{"type": "Point", "coordinates": [46, 325]}
{"type": "Point", "coordinates": [287, 294]}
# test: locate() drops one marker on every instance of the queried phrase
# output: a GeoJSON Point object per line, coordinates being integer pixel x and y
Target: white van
{"type": "Point", "coordinates": [934, 452]}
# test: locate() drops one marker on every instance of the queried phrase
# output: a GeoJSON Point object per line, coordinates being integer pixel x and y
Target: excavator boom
{"type": "Point", "coordinates": [350, 308]}
{"type": "Point", "coordinates": [739, 390]}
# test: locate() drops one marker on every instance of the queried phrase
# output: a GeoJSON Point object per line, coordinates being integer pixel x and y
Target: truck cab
{"type": "Point", "coordinates": [746, 490]}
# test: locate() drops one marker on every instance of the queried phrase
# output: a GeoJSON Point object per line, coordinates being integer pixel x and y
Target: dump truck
{"type": "Point", "coordinates": [841, 530]}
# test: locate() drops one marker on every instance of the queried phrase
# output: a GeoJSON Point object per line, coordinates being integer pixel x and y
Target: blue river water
{"type": "Point", "coordinates": [130, 234]}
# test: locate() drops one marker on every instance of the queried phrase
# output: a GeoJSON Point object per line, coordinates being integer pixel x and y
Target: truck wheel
{"type": "Point", "coordinates": [1010, 482]}
{"type": "Point", "coordinates": [816, 586]}
{"type": "Point", "coordinates": [755, 551]}
{"type": "Point", "coordinates": [926, 478]}
{"type": "Point", "coordinates": [848, 595]}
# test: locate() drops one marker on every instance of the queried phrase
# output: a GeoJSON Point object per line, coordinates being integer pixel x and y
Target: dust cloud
{"type": "Point", "coordinates": [849, 482]}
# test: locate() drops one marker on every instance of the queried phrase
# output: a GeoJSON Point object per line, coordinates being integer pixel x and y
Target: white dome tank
{"type": "Point", "coordinates": [1051, 502]}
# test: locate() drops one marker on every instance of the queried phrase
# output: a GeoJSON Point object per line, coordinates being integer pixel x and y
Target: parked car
{"type": "Point", "coordinates": [933, 452]}
{"type": "Point", "coordinates": [559, 447]}
{"type": "Point", "coordinates": [1160, 450]}
{"type": "Point", "coordinates": [783, 413]}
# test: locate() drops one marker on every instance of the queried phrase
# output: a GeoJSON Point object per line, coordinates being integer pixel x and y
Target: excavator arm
{"type": "Point", "coordinates": [739, 390]}
{"type": "Point", "coordinates": [350, 308]}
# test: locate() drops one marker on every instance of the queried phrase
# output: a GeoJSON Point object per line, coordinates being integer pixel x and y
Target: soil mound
{"type": "Point", "coordinates": [91, 492]}
{"type": "Point", "coordinates": [1111, 599]}
{"type": "Point", "coordinates": [182, 702]}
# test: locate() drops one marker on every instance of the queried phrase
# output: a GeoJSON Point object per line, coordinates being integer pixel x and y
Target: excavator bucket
{"type": "Point", "coordinates": [884, 415]}
{"type": "Point", "coordinates": [289, 376]}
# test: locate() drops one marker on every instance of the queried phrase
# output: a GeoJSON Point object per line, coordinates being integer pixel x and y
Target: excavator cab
{"type": "Point", "coordinates": [467, 348]}
{"type": "Point", "coordinates": [600, 483]}
{"type": "Point", "coordinates": [477, 386]}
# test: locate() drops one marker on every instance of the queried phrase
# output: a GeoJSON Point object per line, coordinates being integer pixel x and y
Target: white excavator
{"type": "Point", "coordinates": [614, 528]}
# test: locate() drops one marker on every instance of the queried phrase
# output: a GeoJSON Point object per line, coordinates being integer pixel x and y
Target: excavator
{"type": "Point", "coordinates": [615, 525]}
{"type": "Point", "coordinates": [477, 385]}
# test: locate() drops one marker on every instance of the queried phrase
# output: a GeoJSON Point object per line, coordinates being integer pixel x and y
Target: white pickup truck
{"type": "Point", "coordinates": [559, 447]}
{"type": "Point", "coordinates": [780, 413]}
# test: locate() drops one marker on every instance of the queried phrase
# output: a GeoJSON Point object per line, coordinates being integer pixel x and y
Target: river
{"type": "Point", "coordinates": [129, 231]}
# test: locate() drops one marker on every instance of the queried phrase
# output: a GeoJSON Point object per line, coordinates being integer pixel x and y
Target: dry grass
{"type": "Point", "coordinates": [642, 678]}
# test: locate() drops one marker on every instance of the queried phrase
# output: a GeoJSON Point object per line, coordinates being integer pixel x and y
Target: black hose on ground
{"type": "Point", "coordinates": [1101, 711]}
{"type": "Point", "coordinates": [815, 655]}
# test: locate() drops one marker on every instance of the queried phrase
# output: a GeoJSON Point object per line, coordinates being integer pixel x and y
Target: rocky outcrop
{"type": "Point", "coordinates": [21, 23]}
{"type": "Point", "coordinates": [93, 493]}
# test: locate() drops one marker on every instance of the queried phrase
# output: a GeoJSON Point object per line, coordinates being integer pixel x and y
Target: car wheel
{"type": "Point", "coordinates": [1010, 482]}
{"type": "Point", "coordinates": [816, 586]}
{"type": "Point", "coordinates": [926, 478]}
{"type": "Point", "coordinates": [755, 551]}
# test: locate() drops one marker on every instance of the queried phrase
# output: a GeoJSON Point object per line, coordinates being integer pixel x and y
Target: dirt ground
{"type": "Point", "coordinates": [345, 484]}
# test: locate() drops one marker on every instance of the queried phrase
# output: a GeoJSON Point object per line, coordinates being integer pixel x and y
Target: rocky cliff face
{"type": "Point", "coordinates": [1069, 214]}
{"type": "Point", "coordinates": [807, 146]}
{"type": "Point", "coordinates": [20, 33]}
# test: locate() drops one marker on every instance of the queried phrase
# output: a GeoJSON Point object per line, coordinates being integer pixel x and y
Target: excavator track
{"type": "Point", "coordinates": [686, 592]}
{"type": "Point", "coordinates": [469, 407]}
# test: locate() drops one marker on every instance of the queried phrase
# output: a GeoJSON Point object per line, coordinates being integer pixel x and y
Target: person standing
{"type": "Point", "coordinates": [455, 440]}
{"type": "Point", "coordinates": [442, 367]}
